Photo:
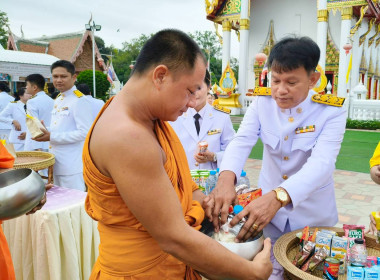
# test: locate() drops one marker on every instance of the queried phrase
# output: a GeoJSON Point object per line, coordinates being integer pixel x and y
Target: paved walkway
{"type": "Point", "coordinates": [356, 194]}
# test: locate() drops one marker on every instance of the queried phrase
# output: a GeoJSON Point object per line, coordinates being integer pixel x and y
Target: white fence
{"type": "Point", "coordinates": [364, 109]}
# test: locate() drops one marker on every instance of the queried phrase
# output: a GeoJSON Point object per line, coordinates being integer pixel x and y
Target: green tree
{"type": "Point", "coordinates": [126, 57]}
{"type": "Point", "coordinates": [3, 29]}
{"type": "Point", "coordinates": [102, 84]}
{"type": "Point", "coordinates": [104, 51]}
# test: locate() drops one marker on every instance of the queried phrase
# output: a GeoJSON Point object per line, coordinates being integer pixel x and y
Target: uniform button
{"type": "Point", "coordinates": [285, 177]}
{"type": "Point", "coordinates": [286, 137]}
{"type": "Point", "coordinates": [286, 158]}
{"type": "Point", "coordinates": [291, 119]}
{"type": "Point", "coordinates": [49, 147]}
{"type": "Point", "coordinates": [283, 110]}
{"type": "Point", "coordinates": [299, 110]}
{"type": "Point", "coordinates": [55, 122]}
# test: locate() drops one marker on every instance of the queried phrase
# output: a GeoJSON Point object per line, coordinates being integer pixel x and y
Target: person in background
{"type": "Point", "coordinates": [15, 114]}
{"type": "Point", "coordinates": [5, 98]}
{"type": "Point", "coordinates": [71, 119]}
{"type": "Point", "coordinates": [139, 185]}
{"type": "Point", "coordinates": [210, 98]}
{"type": "Point", "coordinates": [204, 123]}
{"type": "Point", "coordinates": [374, 164]}
{"type": "Point", "coordinates": [302, 136]}
{"type": "Point", "coordinates": [96, 104]}
{"type": "Point", "coordinates": [40, 106]}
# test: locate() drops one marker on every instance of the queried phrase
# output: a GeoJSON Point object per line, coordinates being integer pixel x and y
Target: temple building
{"type": "Point", "coordinates": [346, 31]}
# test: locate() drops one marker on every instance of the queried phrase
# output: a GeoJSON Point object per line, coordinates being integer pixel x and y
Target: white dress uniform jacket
{"type": "Point", "coordinates": [70, 122]}
{"type": "Point", "coordinates": [96, 105]}
{"type": "Point", "coordinates": [39, 106]}
{"type": "Point", "coordinates": [15, 111]}
{"type": "Point", "coordinates": [302, 163]}
{"type": "Point", "coordinates": [215, 128]}
{"type": "Point", "coordinates": [5, 98]}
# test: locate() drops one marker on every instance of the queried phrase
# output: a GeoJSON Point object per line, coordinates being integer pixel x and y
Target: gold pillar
{"type": "Point", "coordinates": [346, 13]}
{"type": "Point", "coordinates": [244, 24]}
{"type": "Point", "coordinates": [322, 15]}
{"type": "Point", "coordinates": [227, 25]}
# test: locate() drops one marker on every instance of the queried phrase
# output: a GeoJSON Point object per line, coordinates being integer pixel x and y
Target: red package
{"type": "Point", "coordinates": [246, 198]}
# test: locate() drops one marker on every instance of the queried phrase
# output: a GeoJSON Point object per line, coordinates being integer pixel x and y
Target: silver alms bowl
{"type": "Point", "coordinates": [20, 191]}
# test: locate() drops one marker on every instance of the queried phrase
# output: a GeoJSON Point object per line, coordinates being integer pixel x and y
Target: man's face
{"type": "Point", "coordinates": [210, 99]}
{"type": "Point", "coordinates": [180, 90]}
{"type": "Point", "coordinates": [290, 88]}
{"type": "Point", "coordinates": [31, 88]}
{"type": "Point", "coordinates": [201, 97]}
{"type": "Point", "coordinates": [62, 79]}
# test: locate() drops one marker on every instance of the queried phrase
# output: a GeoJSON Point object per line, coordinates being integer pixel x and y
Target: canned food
{"type": "Point", "coordinates": [331, 269]}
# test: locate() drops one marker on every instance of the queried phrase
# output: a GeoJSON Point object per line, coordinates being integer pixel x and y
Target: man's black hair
{"type": "Point", "coordinates": [65, 64]}
{"type": "Point", "coordinates": [84, 88]}
{"type": "Point", "coordinates": [19, 93]}
{"type": "Point", "coordinates": [169, 47]}
{"type": "Point", "coordinates": [291, 53]}
{"type": "Point", "coordinates": [4, 87]}
{"type": "Point", "coordinates": [36, 79]}
{"type": "Point", "coordinates": [208, 78]}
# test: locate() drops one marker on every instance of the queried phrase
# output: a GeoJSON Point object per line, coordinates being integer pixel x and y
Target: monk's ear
{"type": "Point", "coordinates": [160, 75]}
{"type": "Point", "coordinates": [314, 77]}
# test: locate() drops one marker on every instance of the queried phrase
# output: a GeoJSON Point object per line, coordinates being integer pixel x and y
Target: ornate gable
{"type": "Point", "coordinates": [332, 54]}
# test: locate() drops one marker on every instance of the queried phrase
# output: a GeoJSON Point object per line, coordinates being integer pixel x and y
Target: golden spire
{"type": "Point", "coordinates": [363, 64]}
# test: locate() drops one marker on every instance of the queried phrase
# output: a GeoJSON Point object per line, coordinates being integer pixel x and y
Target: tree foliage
{"type": "Point", "coordinates": [104, 51]}
{"type": "Point", "coordinates": [127, 56]}
{"type": "Point", "coordinates": [101, 82]}
{"type": "Point", "coordinates": [4, 22]}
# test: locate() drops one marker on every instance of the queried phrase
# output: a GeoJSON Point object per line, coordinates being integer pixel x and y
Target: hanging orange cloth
{"type": "Point", "coordinates": [6, 266]}
{"type": "Point", "coordinates": [126, 250]}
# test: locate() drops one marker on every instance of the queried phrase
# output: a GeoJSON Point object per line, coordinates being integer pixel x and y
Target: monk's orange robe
{"type": "Point", "coordinates": [127, 250]}
{"type": "Point", "coordinates": [6, 266]}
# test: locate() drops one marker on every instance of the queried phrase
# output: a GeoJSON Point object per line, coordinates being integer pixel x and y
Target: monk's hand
{"type": "Point", "coordinates": [222, 197]}
{"type": "Point", "coordinates": [42, 202]}
{"type": "Point", "coordinates": [372, 226]}
{"type": "Point", "coordinates": [261, 262]}
{"type": "Point", "coordinates": [258, 214]}
{"type": "Point", "coordinates": [204, 157]}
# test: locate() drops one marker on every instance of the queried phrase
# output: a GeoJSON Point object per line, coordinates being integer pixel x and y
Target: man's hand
{"type": "Point", "coordinates": [17, 125]}
{"type": "Point", "coordinates": [204, 157]}
{"type": "Point", "coordinates": [22, 136]}
{"type": "Point", "coordinates": [220, 199]}
{"type": "Point", "coordinates": [262, 263]}
{"type": "Point", "coordinates": [44, 137]}
{"type": "Point", "coordinates": [259, 212]}
{"type": "Point", "coordinates": [42, 202]}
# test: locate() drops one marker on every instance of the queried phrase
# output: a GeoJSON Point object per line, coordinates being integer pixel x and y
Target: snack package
{"type": "Point", "coordinates": [304, 236]}
{"type": "Point", "coordinates": [376, 216]}
{"type": "Point", "coordinates": [371, 261]}
{"type": "Point", "coordinates": [34, 126]}
{"type": "Point", "coordinates": [323, 240]}
{"type": "Point", "coordinates": [339, 251]}
{"type": "Point", "coordinates": [331, 232]}
{"type": "Point", "coordinates": [371, 273]}
{"type": "Point", "coordinates": [246, 198]}
{"type": "Point", "coordinates": [355, 273]}
{"type": "Point", "coordinates": [315, 260]}
{"type": "Point", "coordinates": [352, 232]}
{"type": "Point", "coordinates": [307, 251]}
{"type": "Point", "coordinates": [227, 233]}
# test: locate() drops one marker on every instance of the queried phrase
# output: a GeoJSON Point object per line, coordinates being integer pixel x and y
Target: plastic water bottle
{"type": "Point", "coordinates": [243, 180]}
{"type": "Point", "coordinates": [211, 181]}
{"type": "Point", "coordinates": [358, 253]}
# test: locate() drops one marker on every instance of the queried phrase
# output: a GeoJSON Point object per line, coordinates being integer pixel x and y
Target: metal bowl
{"type": "Point", "coordinates": [20, 191]}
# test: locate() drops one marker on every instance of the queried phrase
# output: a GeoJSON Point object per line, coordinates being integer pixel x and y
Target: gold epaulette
{"type": "Point", "coordinates": [13, 101]}
{"type": "Point", "coordinates": [78, 93]}
{"type": "Point", "coordinates": [57, 96]}
{"type": "Point", "coordinates": [262, 91]}
{"type": "Point", "coordinates": [222, 109]}
{"type": "Point", "coordinates": [328, 99]}
{"type": "Point", "coordinates": [33, 96]}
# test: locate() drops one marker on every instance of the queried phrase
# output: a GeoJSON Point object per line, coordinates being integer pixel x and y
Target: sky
{"type": "Point", "coordinates": [121, 20]}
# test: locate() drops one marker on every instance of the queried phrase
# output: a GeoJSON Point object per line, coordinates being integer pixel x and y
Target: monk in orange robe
{"type": "Point", "coordinates": [139, 185]}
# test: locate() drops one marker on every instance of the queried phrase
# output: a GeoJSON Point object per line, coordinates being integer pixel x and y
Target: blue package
{"type": "Point", "coordinates": [378, 261]}
{"type": "Point", "coordinates": [372, 273]}
{"type": "Point", "coordinates": [355, 273]}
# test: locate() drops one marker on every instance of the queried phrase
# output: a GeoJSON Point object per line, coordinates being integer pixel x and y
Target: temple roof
{"type": "Point", "coordinates": [27, 57]}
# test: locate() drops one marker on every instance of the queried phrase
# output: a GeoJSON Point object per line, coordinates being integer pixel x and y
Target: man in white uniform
{"type": "Point", "coordinates": [204, 123]}
{"type": "Point", "coordinates": [70, 122]}
{"type": "Point", "coordinates": [96, 104]}
{"type": "Point", "coordinates": [5, 98]}
{"type": "Point", "coordinates": [302, 133]}
{"type": "Point", "coordinates": [39, 106]}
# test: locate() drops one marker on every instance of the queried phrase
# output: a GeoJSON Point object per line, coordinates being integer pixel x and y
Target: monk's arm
{"type": "Point", "coordinates": [138, 171]}
{"type": "Point", "coordinates": [198, 195]}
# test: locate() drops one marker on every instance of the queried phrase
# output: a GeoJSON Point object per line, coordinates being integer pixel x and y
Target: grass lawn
{"type": "Point", "coordinates": [357, 148]}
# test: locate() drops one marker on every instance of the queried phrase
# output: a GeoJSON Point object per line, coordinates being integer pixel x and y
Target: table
{"type": "Point", "coordinates": [58, 242]}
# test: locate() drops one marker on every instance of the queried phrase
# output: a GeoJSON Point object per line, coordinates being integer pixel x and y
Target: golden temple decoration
{"type": "Point", "coordinates": [362, 38]}
{"type": "Point", "coordinates": [346, 13]}
{"type": "Point", "coordinates": [335, 5]}
{"type": "Point", "coordinates": [262, 91]}
{"type": "Point", "coordinates": [226, 94]}
{"type": "Point", "coordinates": [322, 82]}
{"type": "Point", "coordinates": [238, 34]}
{"type": "Point", "coordinates": [244, 24]}
{"type": "Point", "coordinates": [211, 6]}
{"type": "Point", "coordinates": [372, 39]}
{"type": "Point", "coordinates": [332, 55]}
{"type": "Point", "coordinates": [227, 25]}
{"type": "Point", "coordinates": [363, 64]}
{"type": "Point", "coordinates": [371, 71]}
{"type": "Point", "coordinates": [355, 28]}
{"type": "Point", "coordinates": [217, 33]}
{"type": "Point", "coordinates": [377, 74]}
{"type": "Point", "coordinates": [322, 15]}
{"type": "Point", "coordinates": [377, 41]}
{"type": "Point", "coordinates": [227, 82]}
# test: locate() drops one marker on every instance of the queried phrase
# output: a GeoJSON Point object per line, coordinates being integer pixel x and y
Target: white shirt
{"type": "Point", "coordinates": [96, 105]}
{"type": "Point", "coordinates": [14, 111]}
{"type": "Point", "coordinates": [5, 98]}
{"type": "Point", "coordinates": [70, 122]}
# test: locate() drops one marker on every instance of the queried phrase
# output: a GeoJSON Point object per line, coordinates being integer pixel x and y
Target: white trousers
{"type": "Point", "coordinates": [74, 181]}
